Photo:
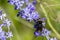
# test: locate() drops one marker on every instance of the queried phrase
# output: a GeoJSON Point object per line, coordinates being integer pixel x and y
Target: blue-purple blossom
{"type": "Point", "coordinates": [5, 22]}
{"type": "Point", "coordinates": [30, 6]}
{"type": "Point", "coordinates": [36, 33]}
{"type": "Point", "coordinates": [26, 1]}
{"type": "Point", "coordinates": [34, 2]}
{"type": "Point", "coordinates": [0, 29]}
{"type": "Point", "coordinates": [35, 15]}
{"type": "Point", "coordinates": [3, 38]}
{"type": "Point", "coordinates": [17, 3]}
{"type": "Point", "coordinates": [2, 15]}
{"type": "Point", "coordinates": [2, 35]}
{"type": "Point", "coordinates": [9, 34]}
{"type": "Point", "coordinates": [29, 13]}
{"type": "Point", "coordinates": [13, 1]}
{"type": "Point", "coordinates": [0, 12]}
{"type": "Point", "coordinates": [52, 38]}
{"type": "Point", "coordinates": [25, 13]}
{"type": "Point", "coordinates": [22, 14]}
{"type": "Point", "coordinates": [46, 32]}
{"type": "Point", "coordinates": [43, 19]}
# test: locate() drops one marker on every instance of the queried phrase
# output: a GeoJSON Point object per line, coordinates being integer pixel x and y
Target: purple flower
{"type": "Point", "coordinates": [3, 38]}
{"type": "Point", "coordinates": [29, 18]}
{"type": "Point", "coordinates": [0, 12]}
{"type": "Point", "coordinates": [23, 16]}
{"type": "Point", "coordinates": [9, 34]}
{"type": "Point", "coordinates": [46, 32]}
{"type": "Point", "coordinates": [31, 6]}
{"type": "Point", "coordinates": [2, 35]}
{"type": "Point", "coordinates": [13, 1]}
{"type": "Point", "coordinates": [5, 22]}
{"type": "Point", "coordinates": [34, 2]}
{"type": "Point", "coordinates": [35, 15]}
{"type": "Point", "coordinates": [2, 15]}
{"type": "Point", "coordinates": [0, 29]}
{"type": "Point", "coordinates": [25, 13]}
{"type": "Point", "coordinates": [43, 19]}
{"type": "Point", "coordinates": [52, 39]}
{"type": "Point", "coordinates": [16, 3]}
{"type": "Point", "coordinates": [26, 1]}
{"type": "Point", "coordinates": [37, 33]}
{"type": "Point", "coordinates": [29, 12]}
{"type": "Point", "coordinates": [55, 38]}
{"type": "Point", "coordinates": [1, 25]}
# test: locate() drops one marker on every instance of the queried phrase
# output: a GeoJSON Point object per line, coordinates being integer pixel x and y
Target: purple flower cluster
{"type": "Point", "coordinates": [5, 23]}
{"type": "Point", "coordinates": [44, 31]}
{"type": "Point", "coordinates": [26, 1]}
{"type": "Point", "coordinates": [34, 2]}
{"type": "Point", "coordinates": [16, 3]}
{"type": "Point", "coordinates": [30, 14]}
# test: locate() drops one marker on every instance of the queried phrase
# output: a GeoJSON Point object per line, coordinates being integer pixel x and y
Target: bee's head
{"type": "Point", "coordinates": [39, 21]}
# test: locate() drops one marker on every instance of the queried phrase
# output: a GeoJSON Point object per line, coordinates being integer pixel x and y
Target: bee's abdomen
{"type": "Point", "coordinates": [39, 26]}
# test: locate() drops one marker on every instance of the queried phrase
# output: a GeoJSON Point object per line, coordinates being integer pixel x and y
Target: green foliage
{"type": "Point", "coordinates": [23, 30]}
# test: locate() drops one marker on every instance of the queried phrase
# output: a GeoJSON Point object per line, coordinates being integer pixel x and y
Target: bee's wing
{"type": "Point", "coordinates": [43, 23]}
{"type": "Point", "coordinates": [43, 19]}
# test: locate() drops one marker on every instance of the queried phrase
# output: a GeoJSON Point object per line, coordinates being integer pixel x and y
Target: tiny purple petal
{"type": "Point", "coordinates": [43, 19]}
{"type": "Point", "coordinates": [34, 2]}
{"type": "Point", "coordinates": [23, 17]}
{"type": "Point", "coordinates": [37, 33]}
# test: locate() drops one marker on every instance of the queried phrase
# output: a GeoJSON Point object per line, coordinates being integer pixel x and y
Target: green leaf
{"type": "Point", "coordinates": [23, 30]}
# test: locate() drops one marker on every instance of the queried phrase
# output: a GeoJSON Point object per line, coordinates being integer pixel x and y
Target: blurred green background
{"type": "Point", "coordinates": [23, 30]}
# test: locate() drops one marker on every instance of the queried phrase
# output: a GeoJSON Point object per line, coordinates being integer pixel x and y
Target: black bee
{"type": "Point", "coordinates": [38, 25]}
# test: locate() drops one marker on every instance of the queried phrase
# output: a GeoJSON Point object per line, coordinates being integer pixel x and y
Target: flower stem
{"type": "Point", "coordinates": [45, 13]}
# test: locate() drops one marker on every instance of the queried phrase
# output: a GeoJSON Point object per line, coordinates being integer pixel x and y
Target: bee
{"type": "Point", "coordinates": [39, 25]}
